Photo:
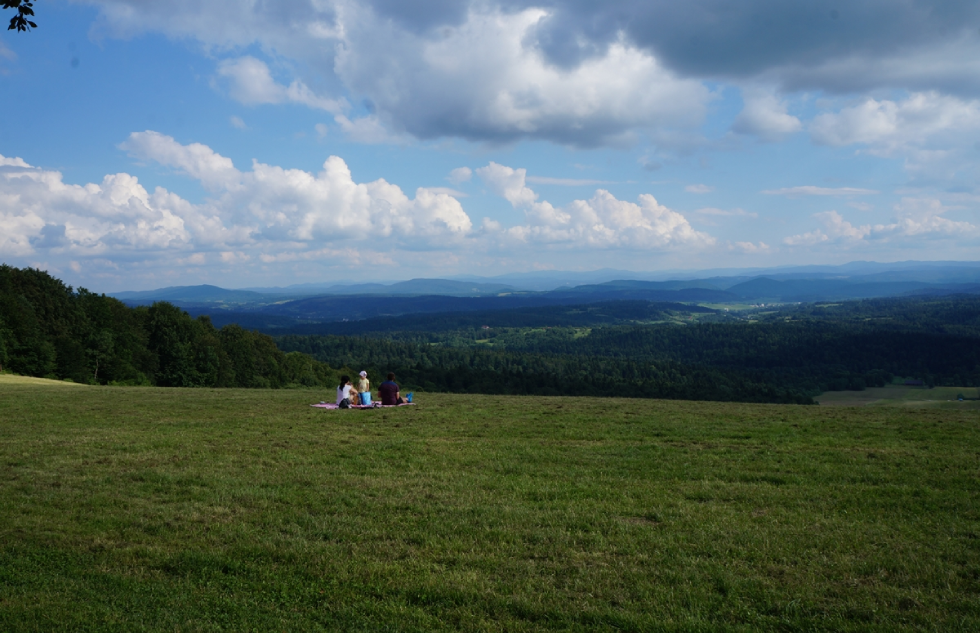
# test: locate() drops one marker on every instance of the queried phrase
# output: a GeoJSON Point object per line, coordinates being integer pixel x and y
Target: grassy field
{"type": "Point", "coordinates": [902, 396]}
{"type": "Point", "coordinates": [198, 510]}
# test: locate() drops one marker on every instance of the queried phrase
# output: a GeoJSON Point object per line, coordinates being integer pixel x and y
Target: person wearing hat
{"type": "Point", "coordinates": [364, 385]}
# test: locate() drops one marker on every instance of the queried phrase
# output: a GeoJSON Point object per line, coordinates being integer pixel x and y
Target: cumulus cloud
{"type": "Point", "coordinates": [483, 79]}
{"type": "Point", "coordinates": [268, 207]}
{"type": "Point", "coordinates": [765, 116]}
{"type": "Point", "coordinates": [934, 134]}
{"type": "Point", "coordinates": [922, 121]}
{"type": "Point", "coordinates": [602, 221]}
{"type": "Point", "coordinates": [198, 161]}
{"type": "Point", "coordinates": [508, 183]}
{"type": "Point", "coordinates": [474, 72]}
{"type": "Point", "coordinates": [118, 214]}
{"type": "Point", "coordinates": [915, 218]}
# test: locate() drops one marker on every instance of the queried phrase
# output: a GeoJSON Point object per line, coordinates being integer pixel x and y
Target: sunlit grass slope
{"type": "Point", "coordinates": [163, 509]}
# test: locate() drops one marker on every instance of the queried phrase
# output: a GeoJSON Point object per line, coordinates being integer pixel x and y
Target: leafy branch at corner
{"type": "Point", "coordinates": [24, 9]}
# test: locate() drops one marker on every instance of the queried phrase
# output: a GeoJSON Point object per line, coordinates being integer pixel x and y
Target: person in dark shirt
{"type": "Point", "coordinates": [388, 390]}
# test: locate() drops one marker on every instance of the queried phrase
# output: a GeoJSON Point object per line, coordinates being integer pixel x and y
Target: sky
{"type": "Point", "coordinates": [245, 143]}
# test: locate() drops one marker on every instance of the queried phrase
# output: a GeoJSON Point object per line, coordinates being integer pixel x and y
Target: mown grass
{"type": "Point", "coordinates": [165, 509]}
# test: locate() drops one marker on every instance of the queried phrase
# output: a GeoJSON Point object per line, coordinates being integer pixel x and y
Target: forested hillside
{"type": "Point", "coordinates": [782, 355]}
{"type": "Point", "coordinates": [618, 348]}
{"type": "Point", "coordinates": [47, 329]}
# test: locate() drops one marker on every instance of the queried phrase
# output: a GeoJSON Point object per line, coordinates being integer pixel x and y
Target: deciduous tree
{"type": "Point", "coordinates": [25, 9]}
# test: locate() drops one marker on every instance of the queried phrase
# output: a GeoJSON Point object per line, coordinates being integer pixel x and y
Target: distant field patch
{"type": "Point", "coordinates": [902, 396]}
{"type": "Point", "coordinates": [11, 379]}
{"type": "Point", "coordinates": [197, 509]}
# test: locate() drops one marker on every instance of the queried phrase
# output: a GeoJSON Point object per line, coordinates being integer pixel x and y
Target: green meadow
{"type": "Point", "coordinates": [127, 508]}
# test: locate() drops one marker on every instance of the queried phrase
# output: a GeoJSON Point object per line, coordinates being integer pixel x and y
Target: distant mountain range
{"type": "Point", "coordinates": [279, 307]}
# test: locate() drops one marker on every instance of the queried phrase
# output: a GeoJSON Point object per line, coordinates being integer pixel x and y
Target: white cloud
{"type": "Point", "coordinates": [751, 247]}
{"type": "Point", "coordinates": [600, 222]}
{"type": "Point", "coordinates": [251, 83]}
{"type": "Point", "coordinates": [923, 121]}
{"type": "Point", "coordinates": [923, 217]}
{"type": "Point", "coordinates": [237, 123]}
{"type": "Point", "coordinates": [810, 190]}
{"type": "Point", "coordinates": [295, 204]}
{"type": "Point", "coordinates": [915, 219]}
{"type": "Point", "coordinates": [321, 130]}
{"type": "Point", "coordinates": [269, 207]}
{"type": "Point", "coordinates": [13, 162]}
{"type": "Point", "coordinates": [508, 183]}
{"type": "Point", "coordinates": [460, 175]}
{"type": "Point", "coordinates": [765, 116]}
{"type": "Point", "coordinates": [198, 161]}
{"type": "Point", "coordinates": [119, 215]}
{"type": "Point", "coordinates": [483, 79]}
{"type": "Point", "coordinates": [699, 189]}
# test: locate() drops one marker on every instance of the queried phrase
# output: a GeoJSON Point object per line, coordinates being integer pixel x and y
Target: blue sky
{"type": "Point", "coordinates": [238, 143]}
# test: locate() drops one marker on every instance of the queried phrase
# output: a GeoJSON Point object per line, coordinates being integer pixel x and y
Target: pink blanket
{"type": "Point", "coordinates": [373, 405]}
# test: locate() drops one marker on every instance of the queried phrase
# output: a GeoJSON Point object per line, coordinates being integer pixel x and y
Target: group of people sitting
{"type": "Point", "coordinates": [348, 394]}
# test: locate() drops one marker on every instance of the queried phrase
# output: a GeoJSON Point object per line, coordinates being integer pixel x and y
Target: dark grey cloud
{"type": "Point", "coordinates": [801, 44]}
{"type": "Point", "coordinates": [419, 17]}
{"type": "Point", "coordinates": [52, 236]}
{"type": "Point", "coordinates": [747, 37]}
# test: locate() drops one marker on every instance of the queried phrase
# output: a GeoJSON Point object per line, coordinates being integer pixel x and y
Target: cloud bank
{"type": "Point", "coordinates": [271, 214]}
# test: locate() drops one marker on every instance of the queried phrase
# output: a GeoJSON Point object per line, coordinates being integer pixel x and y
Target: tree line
{"type": "Point", "coordinates": [48, 329]}
{"type": "Point", "coordinates": [421, 365]}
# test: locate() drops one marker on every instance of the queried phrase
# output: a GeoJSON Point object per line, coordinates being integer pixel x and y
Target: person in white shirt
{"type": "Point", "coordinates": [344, 392]}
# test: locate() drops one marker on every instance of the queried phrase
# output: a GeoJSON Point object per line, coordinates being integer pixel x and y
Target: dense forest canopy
{"type": "Point", "coordinates": [47, 329]}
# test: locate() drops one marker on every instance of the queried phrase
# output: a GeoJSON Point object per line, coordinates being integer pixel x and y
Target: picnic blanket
{"type": "Point", "coordinates": [373, 405]}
